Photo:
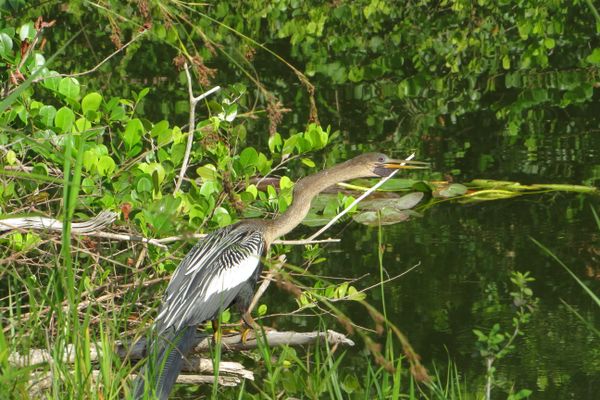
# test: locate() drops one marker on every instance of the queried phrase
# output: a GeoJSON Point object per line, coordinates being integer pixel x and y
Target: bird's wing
{"type": "Point", "coordinates": [209, 276]}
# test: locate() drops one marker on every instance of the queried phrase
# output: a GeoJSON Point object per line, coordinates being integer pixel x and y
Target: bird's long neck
{"type": "Point", "coordinates": [304, 191]}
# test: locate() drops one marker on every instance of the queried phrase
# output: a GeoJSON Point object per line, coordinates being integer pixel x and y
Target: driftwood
{"type": "Point", "coordinates": [234, 342]}
{"type": "Point", "coordinates": [230, 373]}
{"type": "Point", "coordinates": [43, 381]}
{"type": "Point", "coordinates": [42, 223]}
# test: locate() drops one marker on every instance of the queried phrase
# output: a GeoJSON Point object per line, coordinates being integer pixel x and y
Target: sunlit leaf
{"type": "Point", "coordinates": [452, 190]}
{"type": "Point", "coordinates": [64, 119]}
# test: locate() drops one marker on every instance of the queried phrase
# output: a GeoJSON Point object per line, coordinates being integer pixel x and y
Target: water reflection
{"type": "Point", "coordinates": [466, 255]}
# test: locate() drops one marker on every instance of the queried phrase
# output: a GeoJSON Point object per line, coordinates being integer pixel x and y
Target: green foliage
{"type": "Point", "coordinates": [496, 344]}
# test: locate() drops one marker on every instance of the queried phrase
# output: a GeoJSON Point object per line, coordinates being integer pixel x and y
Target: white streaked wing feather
{"type": "Point", "coordinates": [221, 262]}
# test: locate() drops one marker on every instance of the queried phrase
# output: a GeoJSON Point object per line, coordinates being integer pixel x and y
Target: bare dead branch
{"type": "Point", "coordinates": [192, 124]}
{"type": "Point", "coordinates": [42, 223]}
{"type": "Point", "coordinates": [101, 63]}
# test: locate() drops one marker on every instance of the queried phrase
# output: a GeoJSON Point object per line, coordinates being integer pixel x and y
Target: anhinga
{"type": "Point", "coordinates": [223, 268]}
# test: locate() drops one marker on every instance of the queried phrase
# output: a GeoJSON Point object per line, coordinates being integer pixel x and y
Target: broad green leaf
{"type": "Point", "coordinates": [229, 113]}
{"type": "Point", "coordinates": [144, 185]}
{"type": "Point", "coordinates": [248, 157]}
{"type": "Point", "coordinates": [10, 157]}
{"type": "Point", "coordinates": [405, 202]}
{"type": "Point", "coordinates": [69, 87]}
{"type": "Point", "coordinates": [356, 74]}
{"type": "Point", "coordinates": [27, 31]}
{"type": "Point", "coordinates": [207, 172]}
{"type": "Point", "coordinates": [90, 159]}
{"type": "Point", "coordinates": [222, 217]}
{"type": "Point", "coordinates": [275, 142]}
{"type": "Point", "coordinates": [153, 168]}
{"type": "Point", "coordinates": [253, 190]}
{"type": "Point", "coordinates": [88, 186]}
{"type": "Point", "coordinates": [453, 190]}
{"type": "Point", "coordinates": [262, 310]}
{"type": "Point", "coordinates": [142, 94]}
{"type": "Point", "coordinates": [91, 102]}
{"type": "Point", "coordinates": [208, 188]}
{"type": "Point", "coordinates": [289, 144]}
{"type": "Point", "coordinates": [549, 43]}
{"type": "Point", "coordinates": [83, 125]}
{"type": "Point", "coordinates": [355, 295]}
{"type": "Point", "coordinates": [162, 133]}
{"type": "Point", "coordinates": [106, 166]}
{"type": "Point", "coordinates": [52, 81]}
{"type": "Point", "coordinates": [46, 115]}
{"type": "Point", "coordinates": [39, 60]}
{"type": "Point", "coordinates": [6, 44]}
{"type": "Point", "coordinates": [133, 132]}
{"type": "Point", "coordinates": [308, 162]}
{"type": "Point", "coordinates": [285, 183]}
{"type": "Point", "coordinates": [64, 119]}
{"type": "Point", "coordinates": [594, 58]}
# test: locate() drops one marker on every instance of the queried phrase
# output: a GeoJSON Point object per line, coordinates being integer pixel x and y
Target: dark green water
{"type": "Point", "coordinates": [467, 252]}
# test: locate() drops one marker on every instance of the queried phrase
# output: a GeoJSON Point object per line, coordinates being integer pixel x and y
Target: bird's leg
{"type": "Point", "coordinates": [216, 330]}
{"type": "Point", "coordinates": [248, 324]}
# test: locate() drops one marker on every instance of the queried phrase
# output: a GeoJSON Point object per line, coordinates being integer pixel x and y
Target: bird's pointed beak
{"type": "Point", "coordinates": [405, 164]}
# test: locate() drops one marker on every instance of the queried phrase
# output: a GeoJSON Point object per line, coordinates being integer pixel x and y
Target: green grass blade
{"type": "Point", "coordinates": [583, 285]}
{"type": "Point", "coordinates": [585, 321]}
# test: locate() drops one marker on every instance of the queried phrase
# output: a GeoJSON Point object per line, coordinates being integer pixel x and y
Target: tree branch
{"type": "Point", "coordinates": [191, 125]}
{"type": "Point", "coordinates": [96, 67]}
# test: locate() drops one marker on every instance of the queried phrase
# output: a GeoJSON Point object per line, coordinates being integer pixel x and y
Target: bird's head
{"type": "Point", "coordinates": [378, 164]}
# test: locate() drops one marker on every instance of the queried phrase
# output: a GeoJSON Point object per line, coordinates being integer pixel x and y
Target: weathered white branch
{"type": "Point", "coordinates": [94, 224]}
{"type": "Point", "coordinates": [191, 124]}
{"type": "Point", "coordinates": [234, 342]}
{"type": "Point", "coordinates": [193, 364]}
{"type": "Point", "coordinates": [43, 381]}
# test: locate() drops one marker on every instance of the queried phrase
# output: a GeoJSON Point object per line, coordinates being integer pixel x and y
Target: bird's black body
{"type": "Point", "coordinates": [223, 268]}
{"type": "Point", "coordinates": [220, 271]}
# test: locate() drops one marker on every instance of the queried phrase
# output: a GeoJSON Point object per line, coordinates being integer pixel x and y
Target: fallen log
{"type": "Point", "coordinates": [230, 373]}
{"type": "Point", "coordinates": [234, 342]}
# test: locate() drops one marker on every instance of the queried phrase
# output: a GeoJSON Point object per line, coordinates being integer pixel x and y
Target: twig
{"type": "Point", "coordinates": [355, 202]}
{"type": "Point", "coordinates": [128, 238]}
{"type": "Point", "coordinates": [192, 124]}
{"type": "Point", "coordinates": [95, 68]}
{"type": "Point", "coordinates": [267, 281]}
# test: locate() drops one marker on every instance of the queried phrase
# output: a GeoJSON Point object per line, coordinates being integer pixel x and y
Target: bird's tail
{"type": "Point", "coordinates": [165, 359]}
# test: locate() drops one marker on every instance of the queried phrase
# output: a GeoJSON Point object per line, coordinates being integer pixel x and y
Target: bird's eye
{"type": "Point", "coordinates": [381, 159]}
